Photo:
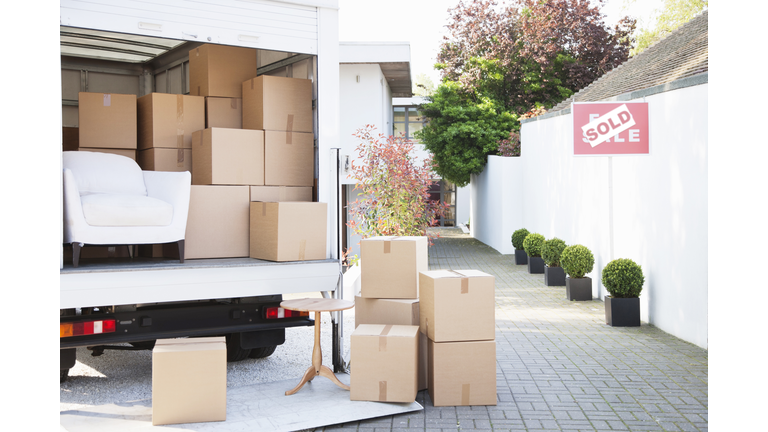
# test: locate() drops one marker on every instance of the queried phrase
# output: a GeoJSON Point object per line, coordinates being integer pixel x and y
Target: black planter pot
{"type": "Point", "coordinates": [554, 276]}
{"type": "Point", "coordinates": [579, 289]}
{"type": "Point", "coordinates": [521, 258]}
{"type": "Point", "coordinates": [535, 265]}
{"type": "Point", "coordinates": [622, 312]}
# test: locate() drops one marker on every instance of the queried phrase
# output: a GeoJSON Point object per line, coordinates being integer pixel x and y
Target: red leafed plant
{"type": "Point", "coordinates": [394, 188]}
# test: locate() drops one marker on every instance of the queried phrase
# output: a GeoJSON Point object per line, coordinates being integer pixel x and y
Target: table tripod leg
{"type": "Point", "coordinates": [328, 373]}
{"type": "Point", "coordinates": [308, 376]}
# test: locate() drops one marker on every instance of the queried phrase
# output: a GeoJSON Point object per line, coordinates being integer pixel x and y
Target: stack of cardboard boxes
{"type": "Point", "coordinates": [455, 354]}
{"type": "Point", "coordinates": [248, 142]}
{"type": "Point", "coordinates": [388, 309]}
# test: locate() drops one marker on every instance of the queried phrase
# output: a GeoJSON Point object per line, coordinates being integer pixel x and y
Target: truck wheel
{"type": "Point", "coordinates": [235, 352]}
{"type": "Point", "coordinates": [64, 375]}
{"type": "Point", "coordinates": [264, 352]}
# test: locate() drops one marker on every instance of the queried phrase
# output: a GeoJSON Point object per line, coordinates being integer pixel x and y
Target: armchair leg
{"type": "Point", "coordinates": [181, 250]}
{"type": "Point", "coordinates": [75, 254]}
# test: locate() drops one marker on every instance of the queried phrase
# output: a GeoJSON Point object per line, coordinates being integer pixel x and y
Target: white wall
{"type": "Point", "coordinates": [496, 197]}
{"type": "Point", "coordinates": [462, 204]}
{"type": "Point", "coordinates": [659, 206]}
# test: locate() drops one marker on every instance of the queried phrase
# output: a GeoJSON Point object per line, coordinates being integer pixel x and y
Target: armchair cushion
{"type": "Point", "coordinates": [125, 210]}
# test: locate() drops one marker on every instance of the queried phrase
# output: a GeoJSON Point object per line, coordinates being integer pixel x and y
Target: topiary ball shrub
{"type": "Point", "coordinates": [551, 251]}
{"type": "Point", "coordinates": [623, 278]}
{"type": "Point", "coordinates": [518, 237]}
{"type": "Point", "coordinates": [577, 260]}
{"type": "Point", "coordinates": [532, 244]}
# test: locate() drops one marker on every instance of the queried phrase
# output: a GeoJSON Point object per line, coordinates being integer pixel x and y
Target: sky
{"type": "Point", "coordinates": [422, 23]}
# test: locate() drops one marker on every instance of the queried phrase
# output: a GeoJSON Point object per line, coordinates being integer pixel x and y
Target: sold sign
{"type": "Point", "coordinates": [607, 128]}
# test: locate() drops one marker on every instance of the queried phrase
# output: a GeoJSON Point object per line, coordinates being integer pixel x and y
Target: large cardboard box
{"type": "Point", "coordinates": [457, 305]}
{"type": "Point", "coordinates": [106, 120]}
{"type": "Point", "coordinates": [288, 231]}
{"type": "Point", "coordinates": [395, 312]}
{"type": "Point", "coordinates": [383, 361]}
{"type": "Point", "coordinates": [166, 159]}
{"type": "Point", "coordinates": [219, 70]}
{"type": "Point", "coordinates": [462, 373]}
{"type": "Point", "coordinates": [390, 266]}
{"type": "Point", "coordinates": [277, 103]}
{"type": "Point", "coordinates": [281, 193]}
{"type": "Point", "coordinates": [189, 380]}
{"type": "Point", "coordinates": [168, 120]}
{"type": "Point", "coordinates": [217, 225]}
{"type": "Point", "coordinates": [289, 159]}
{"type": "Point", "coordinates": [224, 112]}
{"type": "Point", "coordinates": [228, 157]}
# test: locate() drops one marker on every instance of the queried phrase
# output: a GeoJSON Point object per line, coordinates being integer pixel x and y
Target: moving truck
{"type": "Point", "coordinates": [130, 298]}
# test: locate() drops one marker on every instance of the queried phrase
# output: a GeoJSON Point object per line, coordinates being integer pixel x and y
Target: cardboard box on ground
{"type": "Point", "coordinates": [189, 380]}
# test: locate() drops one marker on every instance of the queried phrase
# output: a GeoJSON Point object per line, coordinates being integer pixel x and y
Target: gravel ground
{"type": "Point", "coordinates": [126, 376]}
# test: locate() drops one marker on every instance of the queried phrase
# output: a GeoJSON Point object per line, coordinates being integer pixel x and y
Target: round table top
{"type": "Point", "coordinates": [317, 304]}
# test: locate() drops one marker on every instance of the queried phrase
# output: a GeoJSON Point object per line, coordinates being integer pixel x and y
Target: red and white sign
{"type": "Point", "coordinates": [610, 128]}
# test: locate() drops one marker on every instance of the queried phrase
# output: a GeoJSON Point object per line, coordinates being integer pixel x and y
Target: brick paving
{"type": "Point", "coordinates": [559, 367]}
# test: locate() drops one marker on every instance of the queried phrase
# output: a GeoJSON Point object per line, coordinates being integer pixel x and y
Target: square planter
{"type": "Point", "coordinates": [554, 276]}
{"type": "Point", "coordinates": [579, 289]}
{"type": "Point", "coordinates": [622, 312]}
{"type": "Point", "coordinates": [535, 265]}
{"type": "Point", "coordinates": [521, 258]}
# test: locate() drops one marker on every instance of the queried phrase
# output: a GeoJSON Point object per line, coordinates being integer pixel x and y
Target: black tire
{"type": "Point", "coordinates": [64, 375]}
{"type": "Point", "coordinates": [263, 352]}
{"type": "Point", "coordinates": [234, 352]}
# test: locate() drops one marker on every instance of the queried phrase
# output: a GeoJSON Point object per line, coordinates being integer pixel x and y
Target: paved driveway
{"type": "Point", "coordinates": [560, 367]}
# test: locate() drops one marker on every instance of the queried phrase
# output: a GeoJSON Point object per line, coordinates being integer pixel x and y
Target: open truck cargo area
{"type": "Point", "coordinates": [131, 295]}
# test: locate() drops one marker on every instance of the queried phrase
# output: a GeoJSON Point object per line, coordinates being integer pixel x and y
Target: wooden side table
{"type": "Point", "coordinates": [317, 305]}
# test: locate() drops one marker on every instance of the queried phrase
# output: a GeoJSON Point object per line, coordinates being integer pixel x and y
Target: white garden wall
{"type": "Point", "coordinates": [659, 207]}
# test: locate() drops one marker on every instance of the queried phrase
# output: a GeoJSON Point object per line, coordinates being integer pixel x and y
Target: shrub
{"type": "Point", "coordinates": [623, 278]}
{"type": "Point", "coordinates": [532, 244]}
{"type": "Point", "coordinates": [518, 237]}
{"type": "Point", "coordinates": [551, 251]}
{"type": "Point", "coordinates": [577, 260]}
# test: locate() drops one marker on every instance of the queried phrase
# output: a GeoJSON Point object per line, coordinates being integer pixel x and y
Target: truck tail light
{"type": "Point", "coordinates": [86, 328]}
{"type": "Point", "coordinates": [278, 312]}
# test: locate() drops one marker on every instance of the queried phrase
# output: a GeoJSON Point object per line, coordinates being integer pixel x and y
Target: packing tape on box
{"type": "Point", "coordinates": [383, 337]}
{"type": "Point", "coordinates": [233, 103]}
{"type": "Point", "coordinates": [107, 99]}
{"type": "Point", "coordinates": [464, 282]}
{"type": "Point", "coordinates": [302, 249]}
{"type": "Point", "coordinates": [465, 394]}
{"type": "Point", "coordinates": [180, 157]}
{"type": "Point", "coordinates": [382, 391]}
{"type": "Point", "coordinates": [263, 209]}
{"type": "Point", "coordinates": [180, 130]}
{"type": "Point", "coordinates": [289, 124]}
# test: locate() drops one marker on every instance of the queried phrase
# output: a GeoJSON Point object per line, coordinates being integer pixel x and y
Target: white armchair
{"type": "Point", "coordinates": [109, 200]}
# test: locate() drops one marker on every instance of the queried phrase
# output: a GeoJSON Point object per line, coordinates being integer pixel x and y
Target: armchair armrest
{"type": "Point", "coordinates": [73, 207]}
{"type": "Point", "coordinates": [173, 188]}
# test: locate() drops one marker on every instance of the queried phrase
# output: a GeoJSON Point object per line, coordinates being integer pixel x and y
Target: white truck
{"type": "Point", "coordinates": [129, 46]}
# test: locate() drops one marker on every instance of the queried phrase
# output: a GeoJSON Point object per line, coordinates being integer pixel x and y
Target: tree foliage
{"type": "Point", "coordinates": [673, 14]}
{"type": "Point", "coordinates": [512, 58]}
{"type": "Point", "coordinates": [395, 188]}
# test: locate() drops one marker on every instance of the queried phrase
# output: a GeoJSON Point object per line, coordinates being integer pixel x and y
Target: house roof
{"type": "Point", "coordinates": [684, 53]}
{"type": "Point", "coordinates": [394, 58]}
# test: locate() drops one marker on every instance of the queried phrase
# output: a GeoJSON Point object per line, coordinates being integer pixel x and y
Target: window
{"type": "Point", "coordinates": [445, 192]}
{"type": "Point", "coordinates": [407, 120]}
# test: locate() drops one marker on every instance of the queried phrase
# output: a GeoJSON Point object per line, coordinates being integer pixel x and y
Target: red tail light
{"type": "Point", "coordinates": [278, 312]}
{"type": "Point", "coordinates": [86, 328]}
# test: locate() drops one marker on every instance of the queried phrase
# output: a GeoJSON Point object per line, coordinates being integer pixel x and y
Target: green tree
{"type": "Point", "coordinates": [673, 14]}
{"type": "Point", "coordinates": [499, 63]}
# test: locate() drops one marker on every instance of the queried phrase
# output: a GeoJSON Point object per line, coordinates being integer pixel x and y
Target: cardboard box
{"type": "Point", "coordinates": [168, 120]}
{"type": "Point", "coordinates": [457, 305]}
{"type": "Point", "coordinates": [224, 112]}
{"type": "Point", "coordinates": [106, 120]}
{"type": "Point", "coordinates": [395, 312]}
{"type": "Point", "coordinates": [390, 266]}
{"type": "Point", "coordinates": [281, 193]}
{"type": "Point", "coordinates": [277, 103]}
{"type": "Point", "coordinates": [189, 380]}
{"type": "Point", "coordinates": [288, 231]}
{"type": "Point", "coordinates": [289, 159]}
{"type": "Point", "coordinates": [227, 157]}
{"type": "Point", "coordinates": [165, 159]}
{"type": "Point", "coordinates": [219, 70]}
{"type": "Point", "coordinates": [383, 362]}
{"type": "Point", "coordinates": [217, 225]}
{"type": "Point", "coordinates": [122, 152]}
{"type": "Point", "coordinates": [462, 373]}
